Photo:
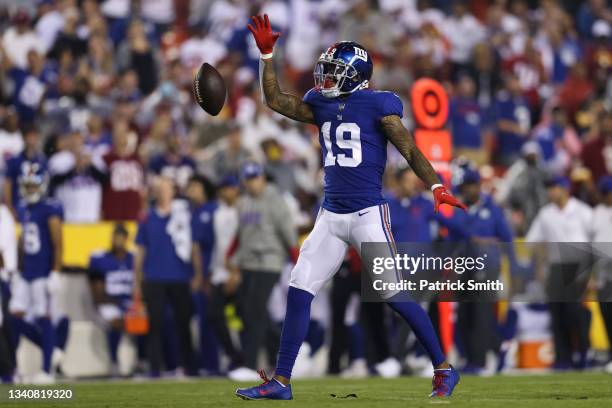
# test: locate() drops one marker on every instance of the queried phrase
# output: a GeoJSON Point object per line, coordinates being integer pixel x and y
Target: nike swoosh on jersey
{"type": "Point", "coordinates": [363, 213]}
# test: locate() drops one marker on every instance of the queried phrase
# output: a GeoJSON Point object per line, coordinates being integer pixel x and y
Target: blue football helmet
{"type": "Point", "coordinates": [344, 68]}
{"type": "Point", "coordinates": [33, 182]}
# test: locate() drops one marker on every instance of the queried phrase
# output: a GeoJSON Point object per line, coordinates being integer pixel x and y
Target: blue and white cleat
{"type": "Point", "coordinates": [270, 389]}
{"type": "Point", "coordinates": [444, 382]}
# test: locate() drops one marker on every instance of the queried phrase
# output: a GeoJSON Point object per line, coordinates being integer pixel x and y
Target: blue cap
{"type": "Point", "coordinates": [251, 169]}
{"type": "Point", "coordinates": [558, 181]}
{"type": "Point", "coordinates": [605, 184]}
{"type": "Point", "coordinates": [229, 181]}
{"type": "Point", "coordinates": [470, 175]}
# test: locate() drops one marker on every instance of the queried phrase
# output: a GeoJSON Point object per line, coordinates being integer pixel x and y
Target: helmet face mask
{"type": "Point", "coordinates": [33, 187]}
{"type": "Point", "coordinates": [330, 77]}
{"type": "Point", "coordinates": [343, 69]}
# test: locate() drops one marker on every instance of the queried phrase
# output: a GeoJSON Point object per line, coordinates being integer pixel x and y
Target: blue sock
{"type": "Point", "coordinates": [113, 337]}
{"type": "Point", "coordinates": [295, 328]}
{"type": "Point", "coordinates": [356, 342]}
{"type": "Point", "coordinates": [61, 333]}
{"type": "Point", "coordinates": [420, 323]}
{"type": "Point", "coordinates": [47, 333]}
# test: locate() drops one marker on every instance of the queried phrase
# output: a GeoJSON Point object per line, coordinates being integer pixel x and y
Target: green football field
{"type": "Point", "coordinates": [558, 390]}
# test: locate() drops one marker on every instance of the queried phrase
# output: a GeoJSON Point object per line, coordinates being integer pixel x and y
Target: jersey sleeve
{"type": "Point", "coordinates": [390, 104]}
{"type": "Point", "coordinates": [55, 209]}
{"type": "Point", "coordinates": [12, 168]}
{"type": "Point", "coordinates": [141, 234]}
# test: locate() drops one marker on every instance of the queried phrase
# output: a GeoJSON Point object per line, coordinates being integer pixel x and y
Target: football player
{"type": "Point", "coordinates": [355, 123]}
{"type": "Point", "coordinates": [41, 246]}
{"type": "Point", "coordinates": [112, 283]}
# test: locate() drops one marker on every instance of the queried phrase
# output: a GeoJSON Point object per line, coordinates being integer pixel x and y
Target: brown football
{"type": "Point", "coordinates": [209, 89]}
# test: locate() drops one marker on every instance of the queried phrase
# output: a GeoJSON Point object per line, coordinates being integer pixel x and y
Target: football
{"type": "Point", "coordinates": [209, 89]}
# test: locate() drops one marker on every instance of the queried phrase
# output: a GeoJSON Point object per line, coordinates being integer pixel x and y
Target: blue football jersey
{"type": "Point", "coordinates": [36, 237]}
{"type": "Point", "coordinates": [117, 273]}
{"type": "Point", "coordinates": [162, 241]}
{"type": "Point", "coordinates": [353, 145]}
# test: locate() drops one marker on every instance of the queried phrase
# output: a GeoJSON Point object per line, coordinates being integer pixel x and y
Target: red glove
{"type": "Point", "coordinates": [263, 34]}
{"type": "Point", "coordinates": [442, 196]}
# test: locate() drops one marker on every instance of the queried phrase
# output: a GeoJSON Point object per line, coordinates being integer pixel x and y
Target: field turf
{"type": "Point", "coordinates": [541, 391]}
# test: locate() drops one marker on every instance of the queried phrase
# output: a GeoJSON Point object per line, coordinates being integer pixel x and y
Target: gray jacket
{"type": "Point", "coordinates": [266, 232]}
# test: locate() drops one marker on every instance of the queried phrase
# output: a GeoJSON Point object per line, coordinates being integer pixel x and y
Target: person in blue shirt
{"type": "Point", "coordinates": [486, 226]}
{"type": "Point", "coordinates": [411, 212]}
{"type": "Point", "coordinates": [112, 284]}
{"type": "Point", "coordinates": [32, 85]}
{"type": "Point", "coordinates": [41, 245]}
{"type": "Point", "coordinates": [163, 272]}
{"type": "Point", "coordinates": [513, 119]}
{"type": "Point", "coordinates": [467, 122]}
{"type": "Point", "coordinates": [200, 193]}
{"type": "Point", "coordinates": [30, 159]}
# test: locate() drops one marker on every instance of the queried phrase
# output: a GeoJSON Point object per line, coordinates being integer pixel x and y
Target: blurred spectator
{"type": "Point", "coordinates": [279, 170]}
{"type": "Point", "coordinates": [513, 121]}
{"type": "Point", "coordinates": [558, 140]}
{"type": "Point", "coordinates": [576, 89]}
{"type": "Point", "coordinates": [68, 40]}
{"type": "Point", "coordinates": [8, 266]}
{"type": "Point", "coordinates": [232, 155]}
{"type": "Point", "coordinates": [97, 141]}
{"type": "Point", "coordinates": [163, 272]}
{"type": "Point", "coordinates": [30, 158]}
{"type": "Point", "coordinates": [564, 219]}
{"type": "Point", "coordinates": [486, 225]}
{"type": "Point", "coordinates": [49, 24]}
{"type": "Point", "coordinates": [172, 163]}
{"type": "Point", "coordinates": [366, 26]}
{"type": "Point", "coordinates": [112, 283]}
{"type": "Point", "coordinates": [11, 141]}
{"type": "Point", "coordinates": [598, 55]}
{"type": "Point", "coordinates": [201, 47]}
{"type": "Point", "coordinates": [123, 194]}
{"type": "Point", "coordinates": [266, 239]}
{"type": "Point", "coordinates": [597, 152]}
{"type": "Point", "coordinates": [523, 186]}
{"type": "Point", "coordinates": [30, 84]}
{"type": "Point", "coordinates": [466, 120]}
{"type": "Point", "coordinates": [19, 39]}
{"type": "Point", "coordinates": [463, 31]}
{"type": "Point", "coordinates": [76, 180]}
{"type": "Point", "coordinates": [485, 74]}
{"type": "Point", "coordinates": [529, 71]}
{"type": "Point", "coordinates": [223, 285]}
{"type": "Point", "coordinates": [200, 193]}
{"type": "Point", "coordinates": [136, 53]}
{"type": "Point", "coordinates": [602, 238]}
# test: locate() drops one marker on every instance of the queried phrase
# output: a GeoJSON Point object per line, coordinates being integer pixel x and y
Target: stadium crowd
{"type": "Point", "coordinates": [98, 94]}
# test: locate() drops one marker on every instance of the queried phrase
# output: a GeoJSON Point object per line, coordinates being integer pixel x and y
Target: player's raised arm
{"type": "Point", "coordinates": [404, 142]}
{"type": "Point", "coordinates": [286, 104]}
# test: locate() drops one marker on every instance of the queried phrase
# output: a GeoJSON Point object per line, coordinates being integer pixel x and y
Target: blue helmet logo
{"type": "Point", "coordinates": [344, 68]}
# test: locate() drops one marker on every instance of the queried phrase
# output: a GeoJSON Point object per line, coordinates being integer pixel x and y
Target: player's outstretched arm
{"type": "Point", "coordinates": [404, 143]}
{"type": "Point", "coordinates": [286, 104]}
